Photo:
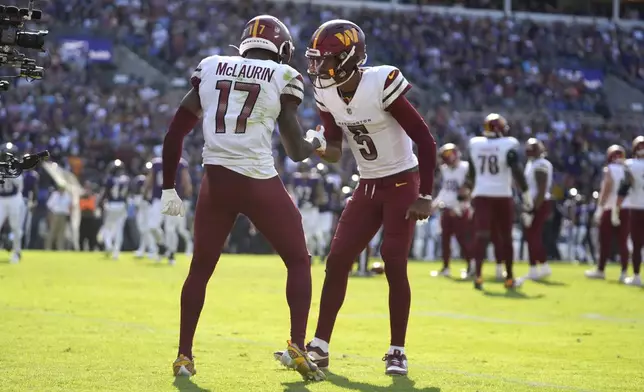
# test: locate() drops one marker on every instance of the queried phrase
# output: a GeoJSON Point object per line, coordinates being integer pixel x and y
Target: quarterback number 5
{"type": "Point", "coordinates": [362, 138]}
{"type": "Point", "coordinates": [252, 93]}
{"type": "Point", "coordinates": [489, 163]}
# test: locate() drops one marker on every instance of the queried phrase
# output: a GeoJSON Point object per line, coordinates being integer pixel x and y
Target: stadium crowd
{"type": "Point", "coordinates": [462, 67]}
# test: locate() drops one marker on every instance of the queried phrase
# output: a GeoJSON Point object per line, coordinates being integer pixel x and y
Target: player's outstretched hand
{"type": "Point", "coordinates": [171, 203]}
{"type": "Point", "coordinates": [419, 209]}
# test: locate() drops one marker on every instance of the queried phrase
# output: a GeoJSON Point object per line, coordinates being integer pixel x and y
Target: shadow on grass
{"type": "Point", "coordinates": [551, 283]}
{"type": "Point", "coordinates": [398, 383]}
{"type": "Point", "coordinates": [185, 384]}
{"type": "Point", "coordinates": [512, 294]}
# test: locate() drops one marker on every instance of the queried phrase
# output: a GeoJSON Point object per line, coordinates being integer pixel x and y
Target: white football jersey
{"type": "Point", "coordinates": [453, 180]}
{"type": "Point", "coordinates": [617, 172]}
{"type": "Point", "coordinates": [533, 166]}
{"type": "Point", "coordinates": [490, 159]}
{"type": "Point", "coordinates": [635, 198]}
{"type": "Point", "coordinates": [241, 102]}
{"type": "Point", "coordinates": [380, 145]}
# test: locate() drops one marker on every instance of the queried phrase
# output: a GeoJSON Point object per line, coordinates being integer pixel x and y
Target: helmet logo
{"type": "Point", "coordinates": [348, 37]}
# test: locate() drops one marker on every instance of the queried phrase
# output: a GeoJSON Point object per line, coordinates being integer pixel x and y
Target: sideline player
{"type": "Point", "coordinates": [154, 188]}
{"type": "Point", "coordinates": [12, 207]}
{"type": "Point", "coordinates": [308, 189]}
{"type": "Point", "coordinates": [142, 204]}
{"type": "Point", "coordinates": [538, 174]}
{"type": "Point", "coordinates": [613, 223]}
{"type": "Point", "coordinates": [369, 106]}
{"type": "Point", "coordinates": [114, 200]}
{"type": "Point", "coordinates": [30, 197]}
{"type": "Point", "coordinates": [454, 215]}
{"type": "Point", "coordinates": [494, 164]}
{"type": "Point", "coordinates": [241, 99]}
{"type": "Point", "coordinates": [634, 204]}
{"type": "Point", "coordinates": [173, 224]}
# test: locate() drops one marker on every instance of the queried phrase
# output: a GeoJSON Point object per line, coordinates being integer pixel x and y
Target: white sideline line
{"type": "Point", "coordinates": [455, 316]}
{"type": "Point", "coordinates": [147, 328]}
{"type": "Point", "coordinates": [595, 316]}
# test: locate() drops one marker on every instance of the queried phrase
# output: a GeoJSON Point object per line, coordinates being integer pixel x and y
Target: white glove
{"type": "Point", "coordinates": [528, 204]}
{"type": "Point", "coordinates": [598, 214]}
{"type": "Point", "coordinates": [457, 210]}
{"type": "Point", "coordinates": [527, 219]}
{"type": "Point", "coordinates": [171, 203]}
{"type": "Point", "coordinates": [311, 135]}
{"type": "Point", "coordinates": [614, 216]}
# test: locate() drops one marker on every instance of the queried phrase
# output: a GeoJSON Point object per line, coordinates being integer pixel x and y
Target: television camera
{"type": "Point", "coordinates": [14, 35]}
{"type": "Point", "coordinates": [12, 166]}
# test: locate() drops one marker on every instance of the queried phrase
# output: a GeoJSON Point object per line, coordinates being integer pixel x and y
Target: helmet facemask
{"type": "Point", "coordinates": [333, 69]}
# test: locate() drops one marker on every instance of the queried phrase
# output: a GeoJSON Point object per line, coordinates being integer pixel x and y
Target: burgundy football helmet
{"type": "Point", "coordinates": [615, 153]}
{"type": "Point", "coordinates": [534, 148]}
{"type": "Point", "coordinates": [638, 147]}
{"type": "Point", "coordinates": [336, 51]}
{"type": "Point", "coordinates": [449, 154]}
{"type": "Point", "coordinates": [495, 125]}
{"type": "Point", "coordinates": [268, 33]}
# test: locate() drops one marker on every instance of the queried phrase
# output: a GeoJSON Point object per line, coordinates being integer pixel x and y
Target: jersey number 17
{"type": "Point", "coordinates": [225, 86]}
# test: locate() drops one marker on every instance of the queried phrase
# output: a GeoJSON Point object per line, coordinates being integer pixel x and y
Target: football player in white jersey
{"type": "Point", "coordinates": [634, 204]}
{"type": "Point", "coordinates": [452, 200]}
{"type": "Point", "coordinates": [242, 99]}
{"type": "Point", "coordinates": [12, 206]}
{"type": "Point", "coordinates": [494, 165]}
{"type": "Point", "coordinates": [613, 222]}
{"type": "Point", "coordinates": [368, 106]}
{"type": "Point", "coordinates": [538, 174]}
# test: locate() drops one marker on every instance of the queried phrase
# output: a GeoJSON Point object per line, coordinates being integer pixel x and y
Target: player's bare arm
{"type": "Point", "coordinates": [624, 187]}
{"type": "Point", "coordinates": [517, 170]}
{"type": "Point", "coordinates": [333, 135]}
{"type": "Point", "coordinates": [297, 148]}
{"type": "Point", "coordinates": [541, 177]}
{"type": "Point", "coordinates": [470, 178]}
{"type": "Point", "coordinates": [605, 189]}
{"type": "Point", "coordinates": [418, 131]}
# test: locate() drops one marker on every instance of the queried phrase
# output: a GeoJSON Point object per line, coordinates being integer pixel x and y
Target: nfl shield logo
{"type": "Point", "coordinates": [349, 110]}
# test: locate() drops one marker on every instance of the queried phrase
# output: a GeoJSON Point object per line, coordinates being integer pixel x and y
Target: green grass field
{"type": "Point", "coordinates": [79, 322]}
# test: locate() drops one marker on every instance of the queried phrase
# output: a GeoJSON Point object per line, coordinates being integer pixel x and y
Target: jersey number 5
{"type": "Point", "coordinates": [489, 163]}
{"type": "Point", "coordinates": [225, 86]}
{"type": "Point", "coordinates": [362, 138]}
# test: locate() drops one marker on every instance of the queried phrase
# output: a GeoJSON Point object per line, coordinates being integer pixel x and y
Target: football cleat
{"type": "Point", "coordinates": [545, 271]}
{"type": "Point", "coordinates": [302, 363]}
{"type": "Point", "coordinates": [635, 280]}
{"type": "Point", "coordinates": [316, 354]}
{"type": "Point", "coordinates": [595, 274]}
{"type": "Point", "coordinates": [623, 277]}
{"type": "Point", "coordinates": [183, 367]}
{"type": "Point", "coordinates": [15, 258]}
{"type": "Point", "coordinates": [395, 364]}
{"type": "Point", "coordinates": [443, 272]}
{"type": "Point", "coordinates": [512, 284]}
{"type": "Point", "coordinates": [478, 283]}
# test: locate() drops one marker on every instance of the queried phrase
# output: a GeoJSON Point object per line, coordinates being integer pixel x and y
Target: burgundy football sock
{"type": "Point", "coordinates": [193, 296]}
{"type": "Point", "coordinates": [298, 296]}
{"type": "Point", "coordinates": [399, 300]}
{"type": "Point", "coordinates": [333, 293]}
